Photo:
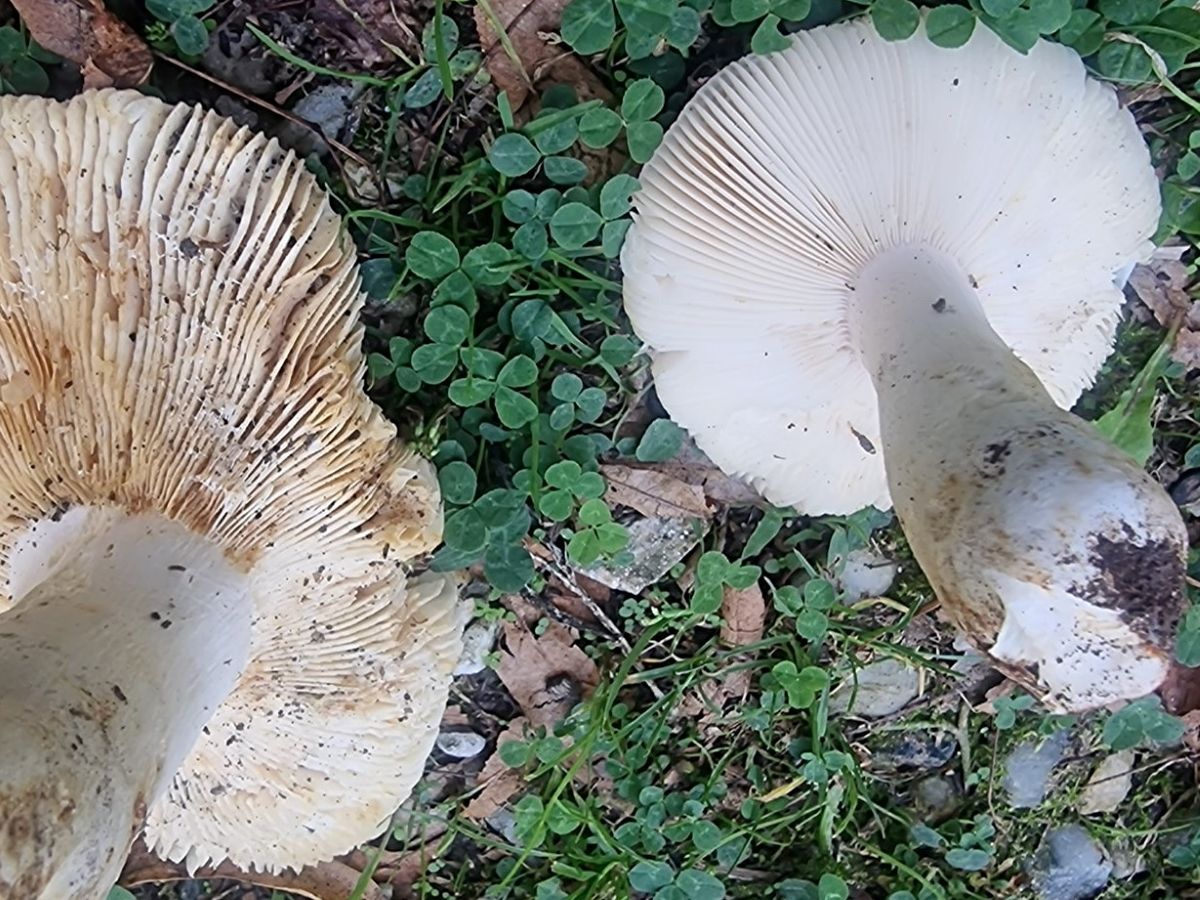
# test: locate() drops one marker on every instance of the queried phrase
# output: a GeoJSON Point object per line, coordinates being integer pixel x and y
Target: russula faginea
{"type": "Point", "coordinates": [879, 273]}
{"type": "Point", "coordinates": [204, 622]}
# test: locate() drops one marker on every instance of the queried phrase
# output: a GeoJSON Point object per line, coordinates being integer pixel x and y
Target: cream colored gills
{"type": "Point", "coordinates": [1044, 533]}
{"type": "Point", "coordinates": [128, 632]}
{"type": "Point", "coordinates": [876, 272]}
{"type": "Point", "coordinates": [231, 658]}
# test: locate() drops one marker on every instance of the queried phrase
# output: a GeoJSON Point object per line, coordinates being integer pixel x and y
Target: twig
{"type": "Point", "coordinates": [567, 577]}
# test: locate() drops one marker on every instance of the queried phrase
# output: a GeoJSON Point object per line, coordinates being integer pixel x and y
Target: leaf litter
{"type": "Point", "coordinates": [528, 28]}
{"type": "Point", "coordinates": [546, 674]}
{"type": "Point", "coordinates": [108, 52]}
{"type": "Point", "coordinates": [743, 620]}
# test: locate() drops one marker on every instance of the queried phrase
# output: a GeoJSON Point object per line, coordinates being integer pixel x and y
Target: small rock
{"type": "Point", "coordinates": [936, 798]}
{"type": "Point", "coordinates": [1027, 769]}
{"type": "Point", "coordinates": [1126, 860]}
{"type": "Point", "coordinates": [461, 744]}
{"type": "Point", "coordinates": [231, 57]}
{"type": "Point", "coordinates": [1069, 865]}
{"type": "Point", "coordinates": [879, 689]}
{"type": "Point", "coordinates": [866, 574]}
{"type": "Point", "coordinates": [328, 108]}
{"type": "Point", "coordinates": [236, 110]}
{"type": "Point", "coordinates": [655, 545]}
{"type": "Point", "coordinates": [504, 823]}
{"type": "Point", "coordinates": [478, 640]}
{"type": "Point", "coordinates": [1109, 784]}
{"type": "Point", "coordinates": [913, 750]}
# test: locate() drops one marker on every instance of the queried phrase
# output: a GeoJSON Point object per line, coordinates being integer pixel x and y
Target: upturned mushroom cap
{"type": "Point", "coordinates": [179, 338]}
{"type": "Point", "coordinates": [788, 173]}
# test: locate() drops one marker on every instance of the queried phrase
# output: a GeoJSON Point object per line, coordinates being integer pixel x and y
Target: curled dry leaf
{"type": "Point", "coordinates": [500, 783]}
{"type": "Point", "coordinates": [374, 32]}
{"type": "Point", "coordinates": [743, 617]}
{"type": "Point", "coordinates": [107, 51]}
{"type": "Point", "coordinates": [540, 59]}
{"type": "Point", "coordinates": [654, 493]}
{"type": "Point", "coordinates": [1162, 285]}
{"type": "Point", "coordinates": [1191, 733]}
{"type": "Point", "coordinates": [546, 675]}
{"type": "Point", "coordinates": [333, 880]}
{"type": "Point", "coordinates": [1181, 690]}
{"type": "Point", "coordinates": [402, 871]}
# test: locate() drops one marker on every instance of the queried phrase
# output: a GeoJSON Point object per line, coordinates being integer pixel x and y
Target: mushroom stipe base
{"type": "Point", "coordinates": [180, 336]}
{"type": "Point", "coordinates": [1029, 524]}
{"type": "Point", "coordinates": [877, 272]}
{"type": "Point", "coordinates": [128, 631]}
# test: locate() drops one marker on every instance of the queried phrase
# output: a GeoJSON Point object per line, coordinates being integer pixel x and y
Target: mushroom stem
{"type": "Point", "coordinates": [127, 633]}
{"type": "Point", "coordinates": [1046, 534]}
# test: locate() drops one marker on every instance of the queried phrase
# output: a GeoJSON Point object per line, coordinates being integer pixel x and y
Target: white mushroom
{"type": "Point", "coordinates": [204, 621]}
{"type": "Point", "coordinates": [878, 273]}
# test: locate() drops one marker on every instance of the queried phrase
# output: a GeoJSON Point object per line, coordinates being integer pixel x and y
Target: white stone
{"type": "Point", "coordinates": [461, 744]}
{"type": "Point", "coordinates": [478, 640]}
{"type": "Point", "coordinates": [866, 574]}
{"type": "Point", "coordinates": [1028, 768]}
{"type": "Point", "coordinates": [877, 690]}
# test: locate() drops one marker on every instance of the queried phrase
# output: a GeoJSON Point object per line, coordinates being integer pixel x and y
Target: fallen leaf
{"type": "Point", "coordinates": [1109, 784]}
{"type": "Point", "coordinates": [402, 873]}
{"type": "Point", "coordinates": [571, 604]}
{"type": "Point", "coordinates": [546, 675]}
{"type": "Point", "coordinates": [371, 32]}
{"type": "Point", "coordinates": [654, 493]}
{"type": "Point", "coordinates": [1191, 733]}
{"type": "Point", "coordinates": [1187, 341]}
{"type": "Point", "coordinates": [332, 880]}
{"type": "Point", "coordinates": [107, 51]}
{"type": "Point", "coordinates": [1160, 284]}
{"type": "Point", "coordinates": [1180, 690]}
{"type": "Point", "coordinates": [500, 783]}
{"type": "Point", "coordinates": [743, 617]}
{"type": "Point", "coordinates": [540, 60]}
{"type": "Point", "coordinates": [527, 612]}
{"type": "Point", "coordinates": [569, 589]}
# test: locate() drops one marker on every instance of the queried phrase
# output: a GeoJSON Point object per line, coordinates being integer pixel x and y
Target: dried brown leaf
{"type": "Point", "coordinates": [1161, 286]}
{"type": "Point", "coordinates": [717, 486]}
{"type": "Point", "coordinates": [1187, 343]}
{"type": "Point", "coordinates": [403, 872]}
{"type": "Point", "coordinates": [1180, 690]}
{"type": "Point", "coordinates": [654, 493]}
{"type": "Point", "coordinates": [332, 880]}
{"type": "Point", "coordinates": [500, 782]}
{"type": "Point", "coordinates": [1191, 733]}
{"type": "Point", "coordinates": [743, 616]}
{"type": "Point", "coordinates": [530, 25]}
{"type": "Point", "coordinates": [369, 33]}
{"type": "Point", "coordinates": [108, 52]}
{"type": "Point", "coordinates": [546, 675]}
{"type": "Point", "coordinates": [527, 612]}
